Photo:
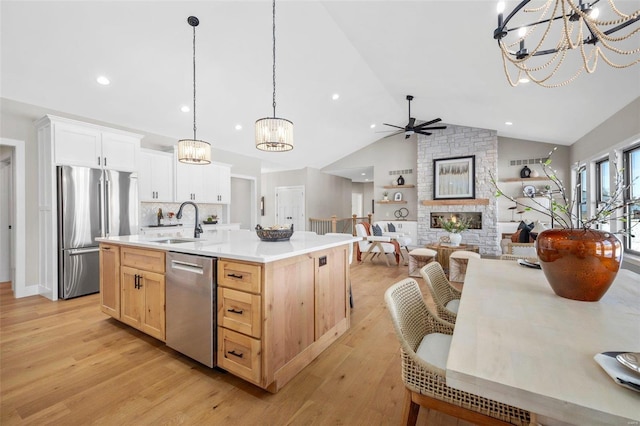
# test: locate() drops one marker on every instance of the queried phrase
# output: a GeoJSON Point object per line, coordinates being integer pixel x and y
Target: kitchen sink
{"type": "Point", "coordinates": [175, 240]}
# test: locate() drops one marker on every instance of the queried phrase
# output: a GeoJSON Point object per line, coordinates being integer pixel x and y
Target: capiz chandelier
{"type": "Point", "coordinates": [272, 133]}
{"type": "Point", "coordinates": [542, 40]}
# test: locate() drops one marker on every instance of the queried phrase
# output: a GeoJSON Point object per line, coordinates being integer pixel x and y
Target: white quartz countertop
{"type": "Point", "coordinates": [239, 244]}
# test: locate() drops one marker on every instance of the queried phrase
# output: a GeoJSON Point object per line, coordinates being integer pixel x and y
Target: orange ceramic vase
{"type": "Point", "coordinates": [579, 264]}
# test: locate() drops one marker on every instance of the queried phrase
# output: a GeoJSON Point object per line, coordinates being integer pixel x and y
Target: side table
{"type": "Point", "coordinates": [444, 251]}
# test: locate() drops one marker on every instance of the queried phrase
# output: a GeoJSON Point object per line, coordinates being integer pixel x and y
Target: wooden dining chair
{"type": "Point", "coordinates": [445, 296]}
{"type": "Point", "coordinates": [424, 347]}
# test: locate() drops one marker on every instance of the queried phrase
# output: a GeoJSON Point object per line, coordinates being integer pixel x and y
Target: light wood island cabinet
{"type": "Point", "coordinates": [273, 318]}
{"type": "Point", "coordinates": [110, 279]}
{"type": "Point", "coordinates": [132, 287]}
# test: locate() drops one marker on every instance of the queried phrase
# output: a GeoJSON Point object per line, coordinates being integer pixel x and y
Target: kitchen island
{"type": "Point", "coordinates": [279, 304]}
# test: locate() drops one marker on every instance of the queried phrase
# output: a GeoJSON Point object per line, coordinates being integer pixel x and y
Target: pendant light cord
{"type": "Point", "coordinates": [274, 58]}
{"type": "Point", "coordinates": [194, 83]}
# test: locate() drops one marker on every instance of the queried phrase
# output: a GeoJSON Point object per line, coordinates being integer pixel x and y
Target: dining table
{"type": "Point", "coordinates": [517, 342]}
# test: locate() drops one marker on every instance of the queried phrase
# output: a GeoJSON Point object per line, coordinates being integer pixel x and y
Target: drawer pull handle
{"type": "Point", "coordinates": [234, 353]}
{"type": "Point", "coordinates": [235, 276]}
{"type": "Point", "coordinates": [235, 311]}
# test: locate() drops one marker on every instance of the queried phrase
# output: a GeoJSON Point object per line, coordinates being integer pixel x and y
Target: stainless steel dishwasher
{"type": "Point", "coordinates": [191, 306]}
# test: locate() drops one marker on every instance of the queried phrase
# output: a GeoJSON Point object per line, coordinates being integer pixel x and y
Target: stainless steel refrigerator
{"type": "Point", "coordinates": [91, 203]}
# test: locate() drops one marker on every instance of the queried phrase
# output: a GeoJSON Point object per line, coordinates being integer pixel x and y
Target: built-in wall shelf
{"type": "Point", "coordinates": [470, 202]}
{"type": "Point", "coordinates": [533, 179]}
{"type": "Point", "coordinates": [399, 186]}
{"type": "Point", "coordinates": [391, 202]}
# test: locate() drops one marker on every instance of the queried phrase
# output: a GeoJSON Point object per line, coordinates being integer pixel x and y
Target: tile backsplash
{"type": "Point", "coordinates": [149, 213]}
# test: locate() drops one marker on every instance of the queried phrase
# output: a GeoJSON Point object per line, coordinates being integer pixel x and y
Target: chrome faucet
{"type": "Point", "coordinates": [197, 230]}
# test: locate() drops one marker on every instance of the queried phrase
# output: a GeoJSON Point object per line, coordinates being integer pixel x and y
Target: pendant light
{"type": "Point", "coordinates": [194, 151]}
{"type": "Point", "coordinates": [274, 134]}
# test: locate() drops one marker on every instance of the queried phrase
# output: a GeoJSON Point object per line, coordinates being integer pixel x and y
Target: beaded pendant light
{"type": "Point", "coordinates": [272, 133]}
{"type": "Point", "coordinates": [539, 40]}
{"type": "Point", "coordinates": [194, 151]}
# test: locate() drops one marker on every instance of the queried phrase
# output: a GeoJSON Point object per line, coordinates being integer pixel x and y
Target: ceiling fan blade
{"type": "Point", "coordinates": [422, 132]}
{"type": "Point", "coordinates": [432, 128]}
{"type": "Point", "coordinates": [392, 125]}
{"type": "Point", "coordinates": [412, 121]}
{"type": "Point", "coordinates": [393, 134]}
{"type": "Point", "coordinates": [429, 122]}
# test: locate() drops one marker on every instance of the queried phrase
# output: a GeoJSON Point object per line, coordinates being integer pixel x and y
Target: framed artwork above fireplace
{"type": "Point", "coordinates": [454, 178]}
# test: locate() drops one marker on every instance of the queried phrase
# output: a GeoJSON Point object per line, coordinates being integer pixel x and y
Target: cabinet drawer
{"type": "Point", "coordinates": [239, 311]}
{"type": "Point", "coordinates": [240, 276]}
{"type": "Point", "coordinates": [149, 260]}
{"type": "Point", "coordinates": [239, 354]}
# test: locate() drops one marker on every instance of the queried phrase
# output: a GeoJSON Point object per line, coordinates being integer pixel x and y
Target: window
{"type": "Point", "coordinates": [632, 178]}
{"type": "Point", "coordinates": [603, 188]}
{"type": "Point", "coordinates": [582, 193]}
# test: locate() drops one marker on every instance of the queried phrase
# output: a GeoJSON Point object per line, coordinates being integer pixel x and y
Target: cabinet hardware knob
{"type": "Point", "coordinates": [235, 276]}
{"type": "Point", "coordinates": [234, 353]}
{"type": "Point", "coordinates": [235, 311]}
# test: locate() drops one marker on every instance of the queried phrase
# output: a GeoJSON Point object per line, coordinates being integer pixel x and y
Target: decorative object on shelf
{"type": "Point", "coordinates": [454, 178]}
{"type": "Point", "coordinates": [274, 134]}
{"type": "Point", "coordinates": [194, 151]}
{"type": "Point", "coordinates": [401, 213]}
{"type": "Point", "coordinates": [454, 227]}
{"type": "Point", "coordinates": [274, 233]}
{"type": "Point", "coordinates": [513, 209]}
{"type": "Point", "coordinates": [581, 28]}
{"type": "Point", "coordinates": [525, 173]}
{"type": "Point", "coordinates": [534, 174]}
{"type": "Point", "coordinates": [529, 191]}
{"type": "Point", "coordinates": [385, 196]}
{"type": "Point", "coordinates": [400, 180]}
{"type": "Point", "coordinates": [397, 196]}
{"type": "Point", "coordinates": [579, 263]}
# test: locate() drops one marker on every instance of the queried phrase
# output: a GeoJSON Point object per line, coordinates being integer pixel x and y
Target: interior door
{"type": "Point", "coordinates": [290, 206]}
{"type": "Point", "coordinates": [6, 202]}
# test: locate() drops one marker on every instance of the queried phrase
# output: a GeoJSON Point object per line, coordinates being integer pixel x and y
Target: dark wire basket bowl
{"type": "Point", "coordinates": [274, 234]}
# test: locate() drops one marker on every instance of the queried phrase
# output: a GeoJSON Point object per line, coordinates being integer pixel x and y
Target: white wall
{"type": "Point", "coordinates": [385, 155]}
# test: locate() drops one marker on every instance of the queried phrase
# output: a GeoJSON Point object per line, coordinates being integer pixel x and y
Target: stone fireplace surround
{"type": "Point", "coordinates": [459, 141]}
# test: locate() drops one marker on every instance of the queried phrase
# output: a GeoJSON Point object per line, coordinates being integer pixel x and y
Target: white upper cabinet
{"type": "Point", "coordinates": [120, 151]}
{"type": "Point", "coordinates": [220, 186]}
{"type": "Point", "coordinates": [155, 176]}
{"type": "Point", "coordinates": [209, 183]}
{"type": "Point", "coordinates": [75, 143]}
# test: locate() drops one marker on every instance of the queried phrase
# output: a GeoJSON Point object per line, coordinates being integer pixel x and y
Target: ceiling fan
{"type": "Point", "coordinates": [411, 128]}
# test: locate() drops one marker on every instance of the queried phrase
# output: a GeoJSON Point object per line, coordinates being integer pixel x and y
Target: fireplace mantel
{"type": "Point", "coordinates": [471, 202]}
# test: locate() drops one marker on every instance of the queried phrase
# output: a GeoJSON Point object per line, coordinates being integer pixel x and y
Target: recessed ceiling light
{"type": "Point", "coordinates": [366, 180]}
{"type": "Point", "coordinates": [335, 96]}
{"type": "Point", "coordinates": [508, 123]}
{"type": "Point", "coordinates": [238, 127]}
{"type": "Point", "coordinates": [373, 126]}
{"type": "Point", "coordinates": [103, 80]}
{"type": "Point", "coordinates": [523, 80]}
{"type": "Point", "coordinates": [185, 108]}
{"type": "Point", "coordinates": [363, 174]}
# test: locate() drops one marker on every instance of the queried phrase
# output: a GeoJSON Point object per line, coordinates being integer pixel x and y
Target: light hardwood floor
{"type": "Point", "coordinates": [67, 363]}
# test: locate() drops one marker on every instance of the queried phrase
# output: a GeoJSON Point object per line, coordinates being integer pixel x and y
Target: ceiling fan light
{"type": "Point", "coordinates": [274, 134]}
{"type": "Point", "coordinates": [192, 151]}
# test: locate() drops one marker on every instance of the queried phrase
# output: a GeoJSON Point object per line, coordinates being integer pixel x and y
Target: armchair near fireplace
{"type": "Point", "coordinates": [375, 245]}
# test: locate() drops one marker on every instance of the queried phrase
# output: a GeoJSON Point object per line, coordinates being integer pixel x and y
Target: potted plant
{"type": "Point", "coordinates": [455, 227]}
{"type": "Point", "coordinates": [579, 261]}
{"type": "Point", "coordinates": [385, 196]}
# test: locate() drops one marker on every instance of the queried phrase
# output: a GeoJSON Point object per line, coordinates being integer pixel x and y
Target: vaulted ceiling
{"type": "Point", "coordinates": [371, 53]}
